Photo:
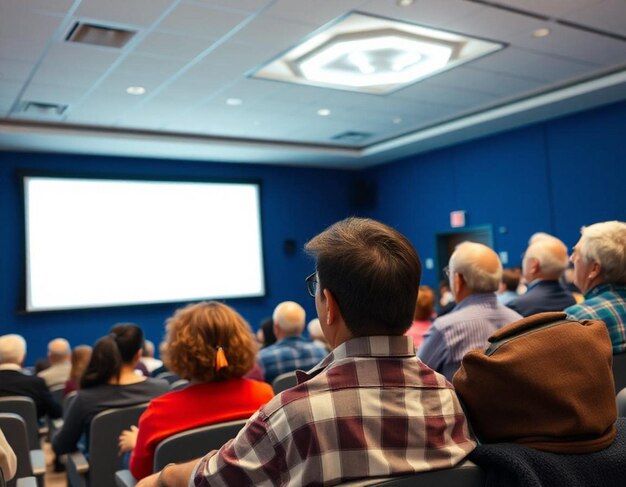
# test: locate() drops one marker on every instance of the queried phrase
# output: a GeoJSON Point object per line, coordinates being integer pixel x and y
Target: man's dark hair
{"type": "Point", "coordinates": [511, 278]}
{"type": "Point", "coordinates": [372, 271]}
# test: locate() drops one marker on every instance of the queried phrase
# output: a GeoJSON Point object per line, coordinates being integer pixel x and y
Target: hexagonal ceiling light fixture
{"type": "Point", "coordinates": [373, 55]}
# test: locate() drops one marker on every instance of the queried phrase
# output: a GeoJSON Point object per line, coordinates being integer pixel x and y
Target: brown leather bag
{"type": "Point", "coordinates": [545, 382]}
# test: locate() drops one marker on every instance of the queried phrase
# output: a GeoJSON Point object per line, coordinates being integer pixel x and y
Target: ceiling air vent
{"type": "Point", "coordinates": [352, 136]}
{"type": "Point", "coordinates": [100, 35]}
{"type": "Point", "coordinates": [43, 109]}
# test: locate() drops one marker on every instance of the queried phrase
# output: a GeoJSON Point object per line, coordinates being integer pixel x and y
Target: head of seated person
{"type": "Point", "coordinates": [195, 335]}
{"type": "Point", "coordinates": [12, 349]}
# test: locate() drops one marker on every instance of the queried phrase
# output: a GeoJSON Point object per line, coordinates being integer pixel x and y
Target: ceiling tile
{"type": "Point", "coordinates": [434, 13]}
{"type": "Point", "coordinates": [199, 21]}
{"type": "Point", "coordinates": [48, 73]}
{"type": "Point", "coordinates": [70, 56]}
{"type": "Point", "coordinates": [245, 5]}
{"type": "Point", "coordinates": [484, 82]}
{"type": "Point", "coordinates": [5, 105]}
{"type": "Point", "coordinates": [9, 89]}
{"type": "Point", "coordinates": [102, 107]}
{"type": "Point", "coordinates": [50, 6]}
{"type": "Point", "coordinates": [26, 25]}
{"type": "Point", "coordinates": [63, 95]}
{"type": "Point", "coordinates": [172, 45]}
{"type": "Point", "coordinates": [300, 10]}
{"type": "Point", "coordinates": [15, 70]}
{"type": "Point", "coordinates": [284, 34]}
{"type": "Point", "coordinates": [555, 8]}
{"type": "Point", "coordinates": [608, 15]}
{"type": "Point", "coordinates": [17, 49]}
{"type": "Point", "coordinates": [137, 12]}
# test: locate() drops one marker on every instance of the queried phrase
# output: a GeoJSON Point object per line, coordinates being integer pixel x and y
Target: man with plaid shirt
{"type": "Point", "coordinates": [370, 408]}
{"type": "Point", "coordinates": [599, 260]}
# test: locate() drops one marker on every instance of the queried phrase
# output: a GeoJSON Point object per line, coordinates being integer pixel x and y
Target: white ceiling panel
{"type": "Point", "coordinates": [193, 55]}
{"type": "Point", "coordinates": [548, 7]}
{"type": "Point", "coordinates": [200, 21]}
{"type": "Point", "coordinates": [124, 12]}
{"type": "Point", "coordinates": [608, 15]}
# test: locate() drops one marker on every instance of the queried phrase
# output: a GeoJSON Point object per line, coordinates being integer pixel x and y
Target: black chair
{"type": "Point", "coordinates": [179, 384]}
{"type": "Point", "coordinates": [465, 474]}
{"type": "Point", "coordinates": [619, 371]}
{"type": "Point", "coordinates": [30, 462]}
{"type": "Point", "coordinates": [25, 407]}
{"type": "Point", "coordinates": [170, 377]}
{"type": "Point", "coordinates": [186, 446]}
{"type": "Point", "coordinates": [104, 460]}
{"type": "Point", "coordinates": [621, 403]}
{"type": "Point", "coordinates": [284, 381]}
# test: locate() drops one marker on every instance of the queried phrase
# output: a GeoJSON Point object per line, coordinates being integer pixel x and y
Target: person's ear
{"type": "Point", "coordinates": [332, 308]}
{"type": "Point", "coordinates": [596, 270]}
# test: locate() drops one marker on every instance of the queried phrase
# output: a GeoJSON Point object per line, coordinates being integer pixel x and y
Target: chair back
{"type": "Point", "coordinates": [179, 384]}
{"type": "Point", "coordinates": [465, 474]}
{"type": "Point", "coordinates": [25, 407]}
{"type": "Point", "coordinates": [284, 381]}
{"type": "Point", "coordinates": [14, 428]}
{"type": "Point", "coordinates": [104, 432]}
{"type": "Point", "coordinates": [194, 443]}
{"type": "Point", "coordinates": [58, 392]}
{"type": "Point", "coordinates": [619, 371]}
{"type": "Point", "coordinates": [170, 377]}
{"type": "Point", "coordinates": [621, 403]}
{"type": "Point", "coordinates": [67, 402]}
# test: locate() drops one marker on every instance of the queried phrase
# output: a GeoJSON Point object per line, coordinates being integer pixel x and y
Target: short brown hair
{"type": "Point", "coordinates": [425, 304]}
{"type": "Point", "coordinates": [511, 278]}
{"type": "Point", "coordinates": [195, 332]}
{"type": "Point", "coordinates": [372, 271]}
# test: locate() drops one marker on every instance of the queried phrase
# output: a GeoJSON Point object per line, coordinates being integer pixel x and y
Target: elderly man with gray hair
{"type": "Point", "coordinates": [59, 356]}
{"type": "Point", "coordinates": [474, 272]}
{"type": "Point", "coordinates": [544, 262]}
{"type": "Point", "coordinates": [291, 351]}
{"type": "Point", "coordinates": [599, 260]}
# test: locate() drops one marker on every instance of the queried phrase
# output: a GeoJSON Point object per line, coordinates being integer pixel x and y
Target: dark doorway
{"type": "Point", "coordinates": [446, 243]}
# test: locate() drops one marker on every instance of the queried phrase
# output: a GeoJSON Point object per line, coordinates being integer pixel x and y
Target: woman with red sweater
{"type": "Point", "coordinates": [211, 345]}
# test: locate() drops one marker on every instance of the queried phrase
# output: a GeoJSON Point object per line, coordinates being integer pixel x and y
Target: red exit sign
{"type": "Point", "coordinates": [457, 219]}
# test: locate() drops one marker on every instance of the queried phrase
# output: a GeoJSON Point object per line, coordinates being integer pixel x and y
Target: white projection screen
{"type": "Point", "coordinates": [106, 242]}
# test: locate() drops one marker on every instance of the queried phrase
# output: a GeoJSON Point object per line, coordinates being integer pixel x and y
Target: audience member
{"type": "Point", "coordinates": [80, 358]}
{"type": "Point", "coordinates": [543, 264]}
{"type": "Point", "coordinates": [291, 350]}
{"type": "Point", "coordinates": [8, 462]}
{"type": "Point", "coordinates": [109, 381]}
{"type": "Point", "coordinates": [370, 408]}
{"type": "Point", "coordinates": [162, 354]}
{"type": "Point", "coordinates": [59, 355]}
{"type": "Point", "coordinates": [212, 346]}
{"type": "Point", "coordinates": [599, 260]}
{"type": "Point", "coordinates": [475, 272]}
{"type": "Point", "coordinates": [446, 298]}
{"type": "Point", "coordinates": [314, 328]}
{"type": "Point", "coordinates": [265, 333]}
{"type": "Point", "coordinates": [147, 357]}
{"type": "Point", "coordinates": [14, 382]}
{"type": "Point", "coordinates": [422, 318]}
{"type": "Point", "coordinates": [507, 290]}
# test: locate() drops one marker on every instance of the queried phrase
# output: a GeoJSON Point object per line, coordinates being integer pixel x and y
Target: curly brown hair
{"type": "Point", "coordinates": [193, 335]}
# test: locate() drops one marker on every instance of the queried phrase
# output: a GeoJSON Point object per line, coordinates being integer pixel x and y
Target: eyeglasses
{"type": "Point", "coordinates": [311, 284]}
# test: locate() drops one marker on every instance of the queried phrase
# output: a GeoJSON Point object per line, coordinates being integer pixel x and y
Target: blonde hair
{"type": "Point", "coordinates": [194, 334]}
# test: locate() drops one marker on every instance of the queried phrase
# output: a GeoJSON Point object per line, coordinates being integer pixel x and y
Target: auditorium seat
{"type": "Point", "coordinates": [619, 371]}
{"type": "Point", "coordinates": [284, 381]}
{"type": "Point", "coordinates": [30, 461]}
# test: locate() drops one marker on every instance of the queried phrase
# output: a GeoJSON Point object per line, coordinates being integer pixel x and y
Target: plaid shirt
{"type": "Point", "coordinates": [289, 354]}
{"type": "Point", "coordinates": [606, 302]}
{"type": "Point", "coordinates": [369, 409]}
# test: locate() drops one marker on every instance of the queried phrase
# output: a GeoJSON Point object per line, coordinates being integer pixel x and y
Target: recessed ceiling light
{"type": "Point", "coordinates": [234, 102]}
{"type": "Point", "coordinates": [323, 112]}
{"type": "Point", "coordinates": [135, 90]}
{"type": "Point", "coordinates": [545, 32]}
{"type": "Point", "coordinates": [405, 3]}
{"type": "Point", "coordinates": [373, 55]}
{"type": "Point", "coordinates": [397, 120]}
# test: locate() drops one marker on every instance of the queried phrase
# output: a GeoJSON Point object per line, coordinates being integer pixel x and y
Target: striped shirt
{"type": "Point", "coordinates": [606, 302]}
{"type": "Point", "coordinates": [467, 327]}
{"type": "Point", "coordinates": [369, 409]}
{"type": "Point", "coordinates": [287, 355]}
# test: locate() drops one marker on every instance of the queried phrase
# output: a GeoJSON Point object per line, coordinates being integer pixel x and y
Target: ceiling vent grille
{"type": "Point", "coordinates": [99, 35]}
{"type": "Point", "coordinates": [351, 136]}
{"type": "Point", "coordinates": [43, 109]}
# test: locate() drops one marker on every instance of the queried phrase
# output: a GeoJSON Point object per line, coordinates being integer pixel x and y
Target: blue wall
{"type": "Point", "coordinates": [295, 204]}
{"type": "Point", "coordinates": [552, 177]}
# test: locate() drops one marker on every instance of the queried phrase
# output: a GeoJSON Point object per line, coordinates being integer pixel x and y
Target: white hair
{"type": "Point", "coordinates": [59, 348]}
{"type": "Point", "coordinates": [551, 254]}
{"type": "Point", "coordinates": [538, 237]}
{"type": "Point", "coordinates": [12, 349]}
{"type": "Point", "coordinates": [605, 243]}
{"type": "Point", "coordinates": [290, 317]}
{"type": "Point", "coordinates": [477, 278]}
{"type": "Point", "coordinates": [315, 329]}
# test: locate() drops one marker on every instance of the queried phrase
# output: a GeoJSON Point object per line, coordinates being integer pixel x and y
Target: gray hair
{"type": "Point", "coordinates": [12, 349]}
{"type": "Point", "coordinates": [605, 243]}
{"type": "Point", "coordinates": [290, 317]}
{"type": "Point", "coordinates": [551, 253]}
{"type": "Point", "coordinates": [477, 278]}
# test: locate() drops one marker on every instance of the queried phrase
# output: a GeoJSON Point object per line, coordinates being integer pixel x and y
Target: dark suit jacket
{"type": "Point", "coordinates": [542, 296]}
{"type": "Point", "coordinates": [16, 383]}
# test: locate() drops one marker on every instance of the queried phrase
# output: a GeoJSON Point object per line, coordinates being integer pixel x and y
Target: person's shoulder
{"type": "Point", "coordinates": [447, 320]}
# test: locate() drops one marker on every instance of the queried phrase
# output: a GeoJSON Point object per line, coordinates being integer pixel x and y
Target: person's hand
{"type": "Point", "coordinates": [128, 439]}
{"type": "Point", "coordinates": [150, 481]}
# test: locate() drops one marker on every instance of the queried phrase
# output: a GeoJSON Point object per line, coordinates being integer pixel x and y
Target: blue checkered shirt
{"type": "Point", "coordinates": [606, 302]}
{"type": "Point", "coordinates": [289, 354]}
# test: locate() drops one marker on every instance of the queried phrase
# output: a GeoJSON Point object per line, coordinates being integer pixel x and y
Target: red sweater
{"type": "Point", "coordinates": [196, 405]}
